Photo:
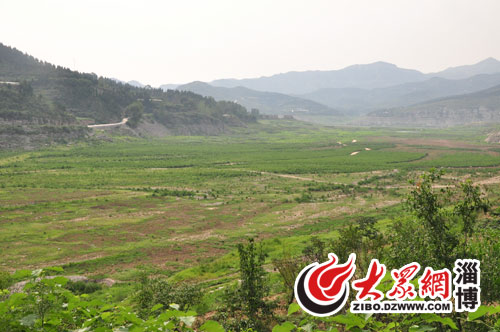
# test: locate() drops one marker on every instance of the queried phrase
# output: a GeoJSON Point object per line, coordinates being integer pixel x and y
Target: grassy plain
{"type": "Point", "coordinates": [179, 205]}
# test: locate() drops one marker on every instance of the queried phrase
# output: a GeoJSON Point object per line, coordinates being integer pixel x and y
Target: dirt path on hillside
{"type": "Point", "coordinates": [289, 176]}
{"type": "Point", "coordinates": [104, 125]}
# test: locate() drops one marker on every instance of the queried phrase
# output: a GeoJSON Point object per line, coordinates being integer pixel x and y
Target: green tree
{"type": "Point", "coordinates": [447, 225]}
{"type": "Point", "coordinates": [467, 209]}
{"type": "Point", "coordinates": [5, 279]}
{"type": "Point", "coordinates": [253, 278]}
{"type": "Point", "coordinates": [134, 113]}
{"type": "Point", "coordinates": [154, 291]}
{"type": "Point", "coordinates": [427, 202]}
{"type": "Point", "coordinates": [362, 238]}
{"type": "Point", "coordinates": [288, 268]}
{"type": "Point", "coordinates": [26, 88]}
{"type": "Point", "coordinates": [316, 250]}
{"type": "Point", "coordinates": [244, 305]}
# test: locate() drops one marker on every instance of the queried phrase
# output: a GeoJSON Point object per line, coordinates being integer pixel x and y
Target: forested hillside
{"type": "Point", "coordinates": [36, 92]}
{"type": "Point", "coordinates": [19, 104]}
{"type": "Point", "coordinates": [265, 102]}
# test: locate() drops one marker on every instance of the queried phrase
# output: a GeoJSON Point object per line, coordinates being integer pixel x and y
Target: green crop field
{"type": "Point", "coordinates": [178, 206]}
{"type": "Point", "coordinates": [106, 207]}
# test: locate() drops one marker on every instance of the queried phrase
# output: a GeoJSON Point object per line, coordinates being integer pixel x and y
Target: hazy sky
{"type": "Point", "coordinates": [179, 41]}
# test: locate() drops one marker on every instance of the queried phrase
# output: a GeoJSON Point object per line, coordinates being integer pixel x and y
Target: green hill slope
{"type": "Point", "coordinates": [266, 102]}
{"type": "Point", "coordinates": [19, 104]}
{"type": "Point", "coordinates": [103, 100]}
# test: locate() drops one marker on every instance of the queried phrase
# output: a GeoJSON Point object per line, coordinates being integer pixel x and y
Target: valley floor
{"type": "Point", "coordinates": [173, 205]}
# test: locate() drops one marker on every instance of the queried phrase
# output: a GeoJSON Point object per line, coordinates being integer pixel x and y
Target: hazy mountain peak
{"type": "Point", "coordinates": [166, 87]}
{"type": "Point", "coordinates": [487, 66]}
{"type": "Point", "coordinates": [374, 75]}
{"type": "Point", "coordinates": [194, 83]}
{"type": "Point", "coordinates": [135, 83]}
{"type": "Point", "coordinates": [489, 60]}
{"type": "Point", "coordinates": [374, 64]}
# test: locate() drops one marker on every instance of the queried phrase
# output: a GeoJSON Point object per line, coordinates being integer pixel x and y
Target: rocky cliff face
{"type": "Point", "coordinates": [440, 118]}
{"type": "Point", "coordinates": [479, 107]}
{"type": "Point", "coordinates": [493, 137]}
{"type": "Point", "coordinates": [29, 137]}
{"type": "Point", "coordinates": [152, 129]}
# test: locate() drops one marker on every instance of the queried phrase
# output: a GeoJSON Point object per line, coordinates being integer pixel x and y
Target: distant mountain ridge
{"type": "Point", "coordinates": [165, 87]}
{"type": "Point", "coordinates": [487, 66]}
{"type": "Point", "coordinates": [355, 100]}
{"type": "Point", "coordinates": [137, 84]}
{"type": "Point", "coordinates": [265, 102]}
{"type": "Point", "coordinates": [362, 76]}
{"type": "Point", "coordinates": [478, 107]}
{"type": "Point", "coordinates": [133, 83]}
{"type": "Point", "coordinates": [353, 90]}
{"type": "Point", "coordinates": [374, 75]}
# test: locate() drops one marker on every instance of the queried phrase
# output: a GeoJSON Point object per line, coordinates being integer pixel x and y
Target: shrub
{"type": "Point", "coordinates": [157, 291]}
{"type": "Point", "coordinates": [5, 279]}
{"type": "Point", "coordinates": [83, 287]}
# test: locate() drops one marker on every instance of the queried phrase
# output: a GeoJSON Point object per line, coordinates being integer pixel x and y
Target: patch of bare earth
{"type": "Point", "coordinates": [492, 180]}
{"type": "Point", "coordinates": [37, 196]}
